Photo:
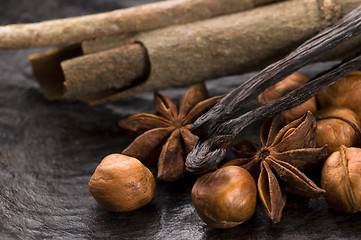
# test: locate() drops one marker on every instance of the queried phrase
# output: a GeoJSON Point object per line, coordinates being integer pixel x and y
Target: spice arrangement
{"type": "Point", "coordinates": [226, 119]}
{"type": "Point", "coordinates": [285, 150]}
{"type": "Point", "coordinates": [227, 197]}
{"type": "Point", "coordinates": [292, 141]}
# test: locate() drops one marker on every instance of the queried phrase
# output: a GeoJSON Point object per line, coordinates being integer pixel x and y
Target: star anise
{"type": "Point", "coordinates": [165, 138]}
{"type": "Point", "coordinates": [285, 150]}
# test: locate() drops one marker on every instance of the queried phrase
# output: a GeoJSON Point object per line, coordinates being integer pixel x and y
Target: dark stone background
{"type": "Point", "coordinates": [48, 151]}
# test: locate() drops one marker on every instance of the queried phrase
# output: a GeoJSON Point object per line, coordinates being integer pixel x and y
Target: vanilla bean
{"type": "Point", "coordinates": [232, 105]}
{"type": "Point", "coordinates": [225, 120]}
{"type": "Point", "coordinates": [293, 99]}
{"type": "Point", "coordinates": [208, 153]}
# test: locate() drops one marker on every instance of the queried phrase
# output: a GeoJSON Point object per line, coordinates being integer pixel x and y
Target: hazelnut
{"type": "Point", "coordinates": [121, 183]}
{"type": "Point", "coordinates": [225, 198]}
{"type": "Point", "coordinates": [341, 178]}
{"type": "Point", "coordinates": [343, 93]}
{"type": "Point", "coordinates": [285, 86]}
{"type": "Point", "coordinates": [337, 126]}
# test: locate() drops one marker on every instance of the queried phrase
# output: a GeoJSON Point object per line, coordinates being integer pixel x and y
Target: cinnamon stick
{"type": "Point", "coordinates": [135, 19]}
{"type": "Point", "coordinates": [48, 72]}
{"type": "Point", "coordinates": [312, 15]}
{"type": "Point", "coordinates": [189, 53]}
{"type": "Point", "coordinates": [120, 68]}
{"type": "Point", "coordinates": [226, 119]}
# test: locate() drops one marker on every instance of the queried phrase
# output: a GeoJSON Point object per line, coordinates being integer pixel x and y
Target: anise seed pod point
{"type": "Point", "coordinates": [165, 139]}
{"type": "Point", "coordinates": [285, 151]}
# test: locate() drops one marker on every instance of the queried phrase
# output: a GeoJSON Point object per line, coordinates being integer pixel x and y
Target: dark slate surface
{"type": "Point", "coordinates": [48, 152]}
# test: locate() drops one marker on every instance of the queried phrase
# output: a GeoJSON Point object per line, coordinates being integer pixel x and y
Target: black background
{"type": "Point", "coordinates": [49, 150]}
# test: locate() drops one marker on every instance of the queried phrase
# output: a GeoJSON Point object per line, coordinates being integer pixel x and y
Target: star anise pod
{"type": "Point", "coordinates": [285, 150]}
{"type": "Point", "coordinates": [165, 138]}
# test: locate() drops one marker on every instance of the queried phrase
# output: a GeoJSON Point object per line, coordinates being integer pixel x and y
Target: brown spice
{"type": "Point", "coordinates": [341, 180]}
{"type": "Point", "coordinates": [225, 198]}
{"type": "Point", "coordinates": [165, 138]}
{"type": "Point", "coordinates": [121, 183]}
{"type": "Point", "coordinates": [343, 93]}
{"type": "Point", "coordinates": [337, 126]}
{"type": "Point", "coordinates": [134, 19]}
{"type": "Point", "coordinates": [285, 151]}
{"type": "Point", "coordinates": [287, 85]}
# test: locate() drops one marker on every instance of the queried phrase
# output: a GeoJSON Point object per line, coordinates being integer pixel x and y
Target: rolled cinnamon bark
{"type": "Point", "coordinates": [48, 72]}
{"type": "Point", "coordinates": [232, 44]}
{"type": "Point", "coordinates": [135, 19]}
{"type": "Point", "coordinates": [107, 71]}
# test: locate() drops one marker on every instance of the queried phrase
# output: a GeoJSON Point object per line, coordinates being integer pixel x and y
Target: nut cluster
{"type": "Point", "coordinates": [338, 127]}
{"type": "Point", "coordinates": [292, 141]}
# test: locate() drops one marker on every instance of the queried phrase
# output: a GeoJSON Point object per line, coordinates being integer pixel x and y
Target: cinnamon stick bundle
{"type": "Point", "coordinates": [189, 53]}
{"type": "Point", "coordinates": [135, 19]}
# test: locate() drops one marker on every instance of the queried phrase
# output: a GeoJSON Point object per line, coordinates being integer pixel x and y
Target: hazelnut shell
{"type": "Point", "coordinates": [225, 198]}
{"type": "Point", "coordinates": [346, 92]}
{"type": "Point", "coordinates": [337, 126]}
{"type": "Point", "coordinates": [121, 183]}
{"type": "Point", "coordinates": [341, 178]}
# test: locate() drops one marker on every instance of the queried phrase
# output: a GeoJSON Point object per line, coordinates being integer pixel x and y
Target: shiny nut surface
{"type": "Point", "coordinates": [225, 198]}
{"type": "Point", "coordinates": [341, 178]}
{"type": "Point", "coordinates": [121, 183]}
{"type": "Point", "coordinates": [346, 92]}
{"type": "Point", "coordinates": [337, 126]}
